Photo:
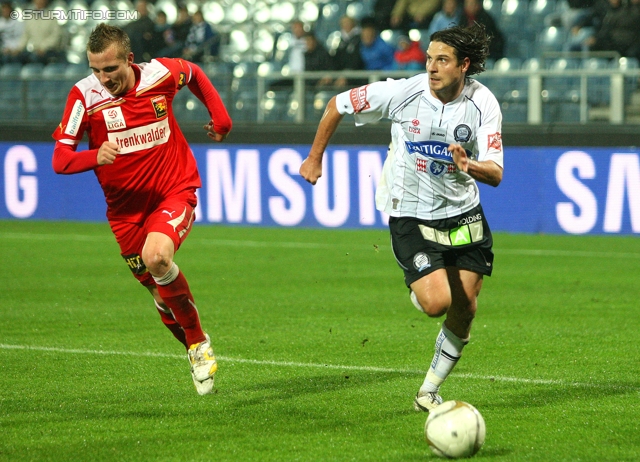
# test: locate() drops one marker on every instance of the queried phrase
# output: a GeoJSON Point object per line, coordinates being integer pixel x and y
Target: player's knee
{"type": "Point", "coordinates": [156, 262]}
{"type": "Point", "coordinates": [432, 307]}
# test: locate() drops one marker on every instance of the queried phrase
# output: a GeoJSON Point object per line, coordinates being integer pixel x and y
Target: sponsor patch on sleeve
{"type": "Point", "coordinates": [495, 141]}
{"type": "Point", "coordinates": [75, 118]}
{"type": "Point", "coordinates": [358, 98]}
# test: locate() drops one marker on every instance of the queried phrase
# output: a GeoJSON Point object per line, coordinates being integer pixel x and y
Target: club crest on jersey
{"type": "Point", "coordinates": [159, 106]}
{"type": "Point", "coordinates": [421, 261]}
{"type": "Point", "coordinates": [462, 133]}
{"type": "Point", "coordinates": [437, 169]}
{"type": "Point", "coordinates": [114, 119]}
{"type": "Point", "coordinates": [182, 80]}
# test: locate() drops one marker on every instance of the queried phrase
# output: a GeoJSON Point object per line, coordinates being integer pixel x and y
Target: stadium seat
{"type": "Point", "coordinates": [213, 12]}
{"type": "Point", "coordinates": [513, 16]}
{"type": "Point", "coordinates": [309, 12]}
{"type": "Point", "coordinates": [328, 18]}
{"type": "Point", "coordinates": [77, 71]}
{"type": "Point", "coordinates": [264, 40]}
{"type": "Point", "coordinates": [274, 105]}
{"type": "Point", "coordinates": [245, 106]}
{"type": "Point", "coordinates": [493, 7]}
{"type": "Point", "coordinates": [10, 70]}
{"type": "Point", "coordinates": [501, 82]}
{"type": "Point", "coordinates": [236, 13]}
{"type": "Point", "coordinates": [560, 81]}
{"type": "Point", "coordinates": [10, 91]}
{"type": "Point", "coordinates": [550, 39]}
{"type": "Point", "coordinates": [631, 83]}
{"type": "Point", "coordinates": [598, 87]}
{"type": "Point", "coordinates": [262, 13]}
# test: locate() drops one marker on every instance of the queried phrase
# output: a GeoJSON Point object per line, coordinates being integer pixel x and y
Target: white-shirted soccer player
{"type": "Point", "coordinates": [445, 136]}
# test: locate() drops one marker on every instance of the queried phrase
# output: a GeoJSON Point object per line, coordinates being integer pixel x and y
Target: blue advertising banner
{"type": "Point", "coordinates": [549, 190]}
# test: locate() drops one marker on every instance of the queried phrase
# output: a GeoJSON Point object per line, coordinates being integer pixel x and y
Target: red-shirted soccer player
{"type": "Point", "coordinates": [146, 169]}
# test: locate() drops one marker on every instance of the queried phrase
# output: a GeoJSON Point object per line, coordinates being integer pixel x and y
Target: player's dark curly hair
{"type": "Point", "coordinates": [104, 35]}
{"type": "Point", "coordinates": [468, 42]}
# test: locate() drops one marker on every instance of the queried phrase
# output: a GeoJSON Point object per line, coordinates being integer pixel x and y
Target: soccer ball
{"type": "Point", "coordinates": [455, 429]}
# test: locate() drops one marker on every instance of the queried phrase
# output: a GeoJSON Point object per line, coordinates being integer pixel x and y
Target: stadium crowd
{"type": "Point", "coordinates": [237, 42]}
{"type": "Point", "coordinates": [603, 25]}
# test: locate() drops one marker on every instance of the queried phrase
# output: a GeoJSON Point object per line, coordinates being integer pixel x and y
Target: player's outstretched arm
{"type": "Point", "coordinates": [311, 168]}
{"type": "Point", "coordinates": [201, 87]}
{"type": "Point", "coordinates": [485, 171]}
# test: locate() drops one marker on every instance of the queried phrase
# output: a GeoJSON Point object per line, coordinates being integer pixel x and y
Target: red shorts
{"type": "Point", "coordinates": [173, 217]}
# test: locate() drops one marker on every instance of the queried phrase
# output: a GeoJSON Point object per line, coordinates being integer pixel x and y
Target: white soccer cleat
{"type": "Point", "coordinates": [425, 402]}
{"type": "Point", "coordinates": [203, 366]}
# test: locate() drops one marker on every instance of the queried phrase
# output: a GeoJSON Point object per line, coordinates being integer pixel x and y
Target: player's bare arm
{"type": "Point", "coordinates": [487, 172]}
{"type": "Point", "coordinates": [107, 153]}
{"type": "Point", "coordinates": [311, 168]}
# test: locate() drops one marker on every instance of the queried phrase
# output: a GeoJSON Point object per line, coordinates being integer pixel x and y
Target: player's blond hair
{"type": "Point", "coordinates": [104, 35]}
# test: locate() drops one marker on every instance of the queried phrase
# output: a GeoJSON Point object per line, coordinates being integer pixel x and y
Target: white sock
{"type": "Point", "coordinates": [169, 276]}
{"type": "Point", "coordinates": [448, 351]}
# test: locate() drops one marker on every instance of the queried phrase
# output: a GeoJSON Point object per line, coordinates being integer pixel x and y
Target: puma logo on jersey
{"type": "Point", "coordinates": [169, 213]}
{"type": "Point", "coordinates": [96, 91]}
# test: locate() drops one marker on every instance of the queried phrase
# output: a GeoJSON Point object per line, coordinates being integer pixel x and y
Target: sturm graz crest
{"type": "Point", "coordinates": [462, 133]}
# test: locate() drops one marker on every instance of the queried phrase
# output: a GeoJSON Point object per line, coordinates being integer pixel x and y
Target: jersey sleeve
{"type": "Point", "coordinates": [490, 132]}
{"type": "Point", "coordinates": [68, 134]}
{"type": "Point", "coordinates": [191, 75]}
{"type": "Point", "coordinates": [368, 103]}
{"type": "Point", "coordinates": [74, 119]}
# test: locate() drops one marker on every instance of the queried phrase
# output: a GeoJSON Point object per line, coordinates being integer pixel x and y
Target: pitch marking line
{"type": "Point", "coordinates": [313, 245]}
{"type": "Point", "coordinates": [313, 365]}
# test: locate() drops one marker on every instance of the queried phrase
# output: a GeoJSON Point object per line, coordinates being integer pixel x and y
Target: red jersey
{"type": "Point", "coordinates": [154, 161]}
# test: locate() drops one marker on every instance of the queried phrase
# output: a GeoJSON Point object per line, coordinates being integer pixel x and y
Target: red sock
{"type": "Point", "coordinates": [177, 296]}
{"type": "Point", "coordinates": [170, 322]}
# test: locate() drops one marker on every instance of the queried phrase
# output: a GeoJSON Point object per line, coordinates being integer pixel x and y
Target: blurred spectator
{"type": "Point", "coordinates": [376, 53]}
{"type": "Point", "coordinates": [620, 30]}
{"type": "Point", "coordinates": [413, 14]}
{"type": "Point", "coordinates": [475, 12]}
{"type": "Point", "coordinates": [11, 32]}
{"type": "Point", "coordinates": [41, 41]}
{"type": "Point", "coordinates": [316, 58]}
{"type": "Point", "coordinates": [202, 40]}
{"type": "Point", "coordinates": [449, 15]}
{"type": "Point", "coordinates": [409, 55]}
{"type": "Point", "coordinates": [161, 29]}
{"type": "Point", "coordinates": [347, 54]}
{"type": "Point", "coordinates": [176, 35]}
{"type": "Point", "coordinates": [581, 18]}
{"type": "Point", "coordinates": [382, 13]}
{"type": "Point", "coordinates": [141, 33]}
{"type": "Point", "coordinates": [297, 46]}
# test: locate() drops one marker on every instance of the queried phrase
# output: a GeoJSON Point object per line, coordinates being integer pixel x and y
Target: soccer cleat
{"type": "Point", "coordinates": [426, 402]}
{"type": "Point", "coordinates": [203, 366]}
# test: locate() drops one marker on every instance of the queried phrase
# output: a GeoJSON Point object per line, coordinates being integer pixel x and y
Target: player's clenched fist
{"type": "Point", "coordinates": [107, 153]}
{"type": "Point", "coordinates": [311, 170]}
{"type": "Point", "coordinates": [215, 136]}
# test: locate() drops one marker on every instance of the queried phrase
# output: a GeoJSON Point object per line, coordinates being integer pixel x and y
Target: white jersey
{"type": "Point", "coordinates": [419, 178]}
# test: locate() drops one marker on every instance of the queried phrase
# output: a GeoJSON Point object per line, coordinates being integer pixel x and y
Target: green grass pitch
{"type": "Point", "coordinates": [320, 350]}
